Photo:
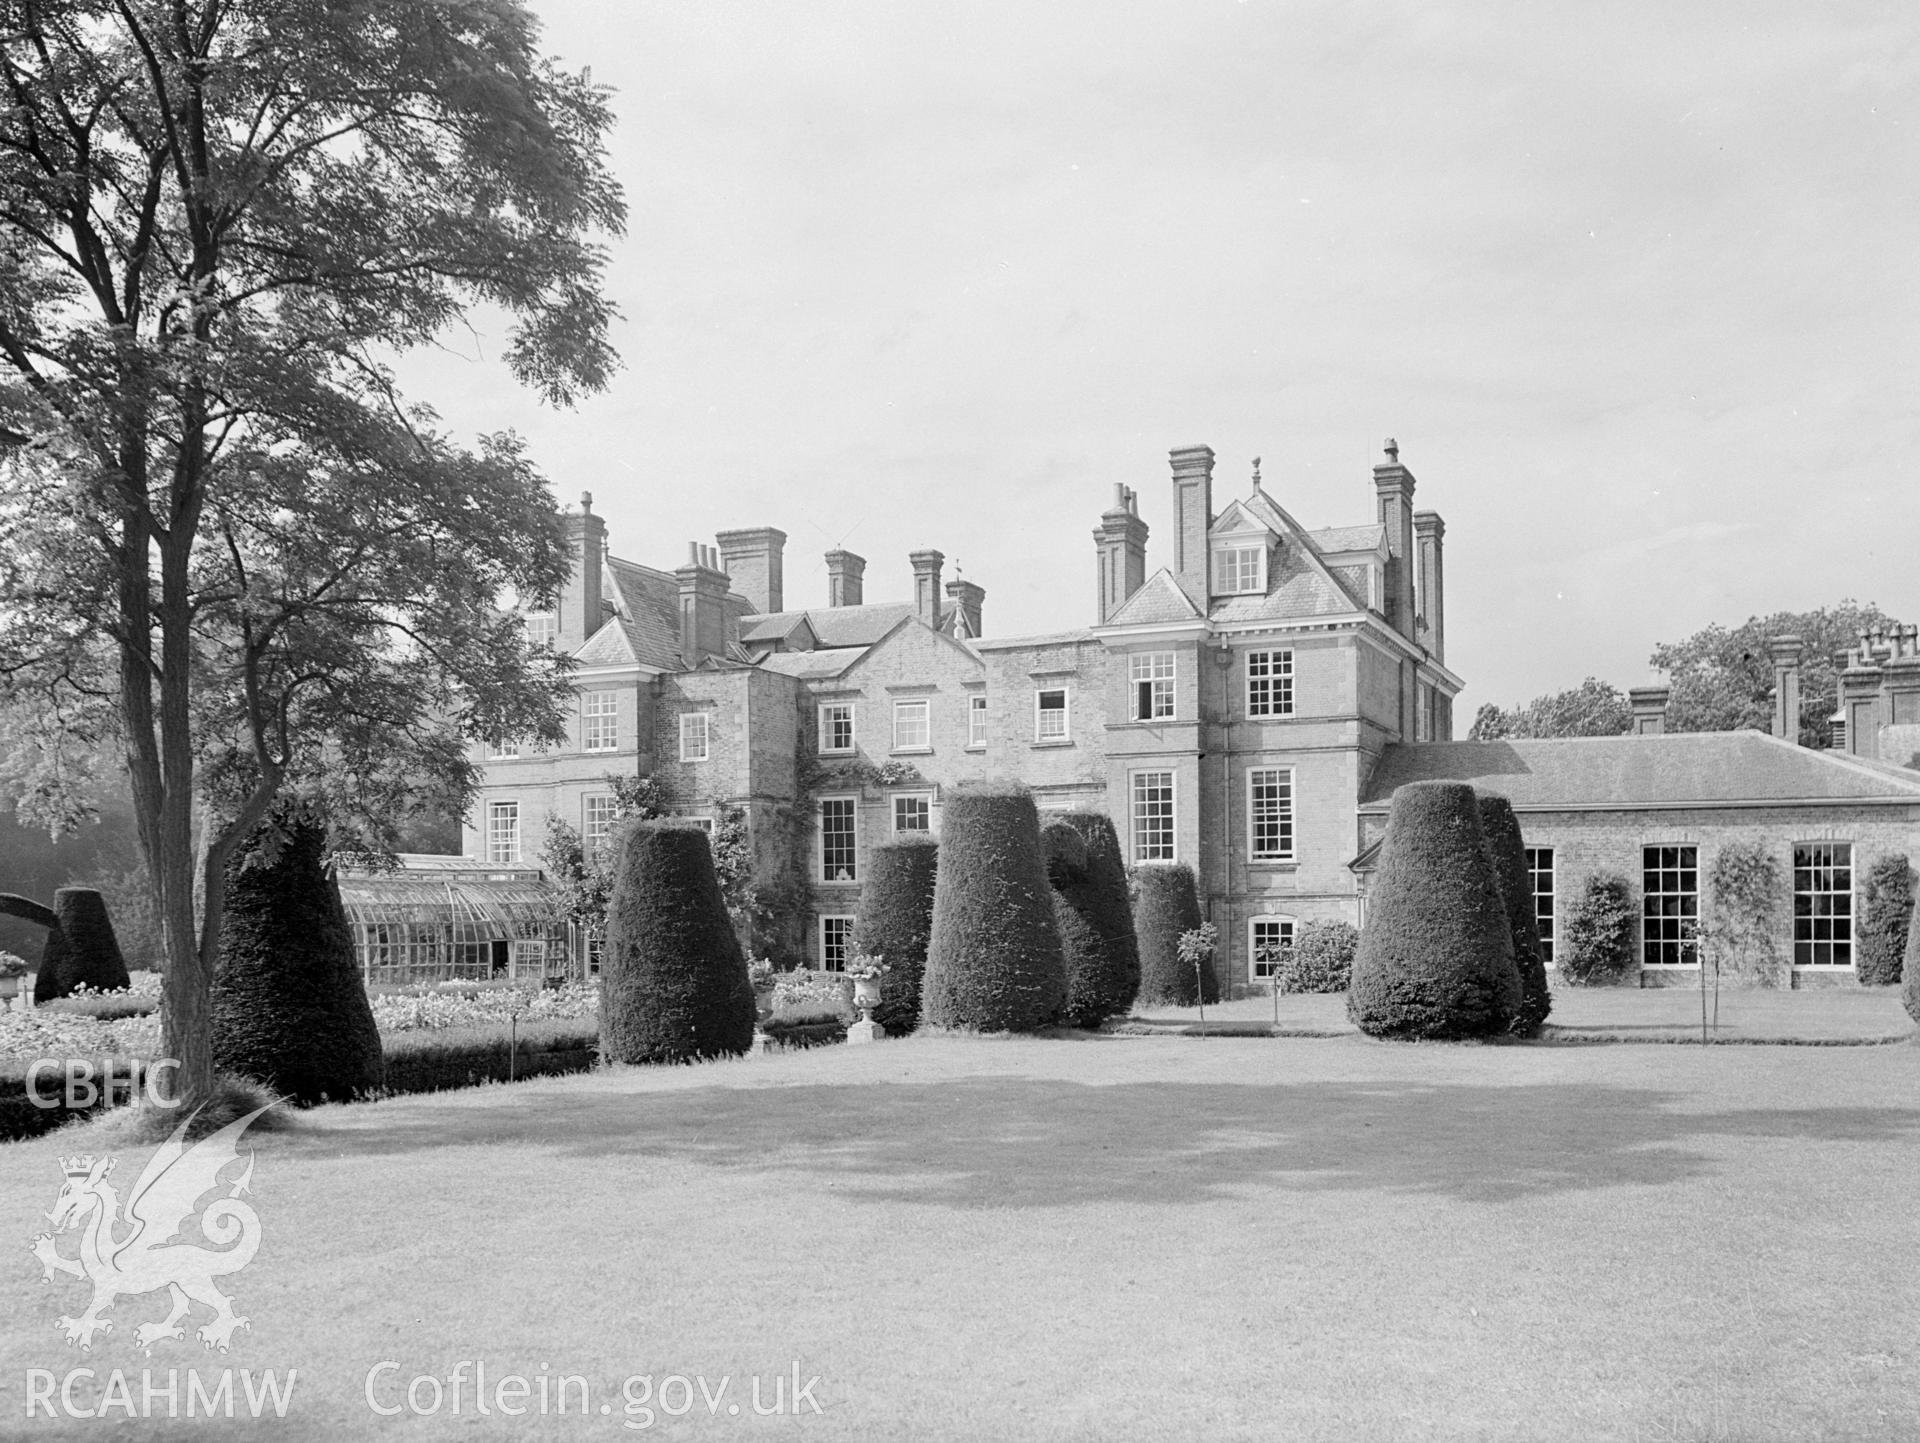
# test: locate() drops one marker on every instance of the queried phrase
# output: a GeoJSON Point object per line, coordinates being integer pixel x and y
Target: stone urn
{"type": "Point", "coordinates": [866, 993]}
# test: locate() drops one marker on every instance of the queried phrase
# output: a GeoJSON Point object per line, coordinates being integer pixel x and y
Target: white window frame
{"type": "Point", "coordinates": [1285, 820]}
{"type": "Point", "coordinates": [1064, 710]}
{"type": "Point", "coordinates": [976, 721]}
{"type": "Point", "coordinates": [502, 750]}
{"type": "Point", "coordinates": [1289, 929]}
{"type": "Point", "coordinates": [1150, 685]}
{"type": "Point", "coordinates": [1852, 894]}
{"type": "Point", "coordinates": [1275, 668]}
{"type": "Point", "coordinates": [595, 836]}
{"type": "Point", "coordinates": [903, 709]}
{"type": "Point", "coordinates": [926, 801]}
{"type": "Point", "coordinates": [503, 841]}
{"type": "Point", "coordinates": [851, 802]}
{"type": "Point", "coordinates": [1689, 950]}
{"type": "Point", "coordinates": [600, 721]}
{"type": "Point", "coordinates": [827, 722]}
{"type": "Point", "coordinates": [1551, 896]}
{"type": "Point", "coordinates": [843, 924]}
{"type": "Point", "coordinates": [1231, 574]}
{"type": "Point", "coordinates": [1136, 817]}
{"type": "Point", "coordinates": [696, 741]}
{"type": "Point", "coordinates": [542, 627]}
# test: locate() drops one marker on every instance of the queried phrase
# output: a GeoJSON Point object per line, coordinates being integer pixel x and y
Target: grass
{"type": "Point", "coordinates": [1105, 1237]}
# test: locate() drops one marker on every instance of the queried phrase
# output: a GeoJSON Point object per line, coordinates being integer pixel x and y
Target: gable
{"type": "Point", "coordinates": [913, 652]}
{"type": "Point", "coordinates": [1160, 600]}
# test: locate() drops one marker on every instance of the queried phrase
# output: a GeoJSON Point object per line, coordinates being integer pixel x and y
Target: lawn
{"type": "Point", "coordinates": [1125, 1237]}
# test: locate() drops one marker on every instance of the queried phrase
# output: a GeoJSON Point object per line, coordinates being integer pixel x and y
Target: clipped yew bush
{"type": "Point", "coordinates": [1096, 922]}
{"type": "Point", "coordinates": [1320, 959]}
{"type": "Point", "coordinates": [673, 980]}
{"type": "Point", "coordinates": [1508, 852]}
{"type": "Point", "coordinates": [81, 949]}
{"type": "Point", "coordinates": [1166, 905]}
{"type": "Point", "coordinates": [1886, 919]}
{"type": "Point", "coordinates": [1436, 955]}
{"type": "Point", "coordinates": [1597, 937]}
{"type": "Point", "coordinates": [994, 963]}
{"type": "Point", "coordinates": [895, 922]}
{"type": "Point", "coordinates": [1910, 979]}
{"type": "Point", "coordinates": [289, 1009]}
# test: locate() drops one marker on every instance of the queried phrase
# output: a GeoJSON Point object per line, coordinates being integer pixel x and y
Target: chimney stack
{"type": "Point", "coordinates": [754, 561]}
{"type": "Point", "coordinates": [968, 599]}
{"type": "Point", "coordinates": [1901, 678]}
{"type": "Point", "coordinates": [1649, 709]}
{"type": "Point", "coordinates": [579, 612]}
{"type": "Point", "coordinates": [1860, 702]}
{"type": "Point", "coordinates": [1393, 485]}
{"type": "Point", "coordinates": [703, 606]}
{"type": "Point", "coordinates": [846, 585]}
{"type": "Point", "coordinates": [1192, 519]}
{"type": "Point", "coordinates": [1429, 532]}
{"type": "Point", "coordinates": [1785, 652]}
{"type": "Point", "coordinates": [926, 586]}
{"type": "Point", "coordinates": [1121, 550]}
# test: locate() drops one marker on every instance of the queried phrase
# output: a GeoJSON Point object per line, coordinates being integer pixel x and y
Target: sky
{"type": "Point", "coordinates": [1632, 284]}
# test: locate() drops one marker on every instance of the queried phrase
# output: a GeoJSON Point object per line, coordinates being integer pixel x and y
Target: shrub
{"type": "Point", "coordinates": [1744, 895]}
{"type": "Point", "coordinates": [1436, 956]}
{"type": "Point", "coordinates": [895, 921]}
{"type": "Point", "coordinates": [1598, 935]}
{"type": "Point", "coordinates": [802, 990]}
{"type": "Point", "coordinates": [1095, 919]}
{"type": "Point", "coordinates": [440, 1059]}
{"type": "Point", "coordinates": [81, 949]}
{"type": "Point", "coordinates": [1887, 894]}
{"type": "Point", "coordinates": [1320, 959]}
{"type": "Point", "coordinates": [673, 980]}
{"type": "Point", "coordinates": [106, 1006]}
{"type": "Point", "coordinates": [1910, 975]}
{"type": "Point", "coordinates": [288, 1006]}
{"type": "Point", "coordinates": [1166, 906]}
{"type": "Point", "coordinates": [994, 963]}
{"type": "Point", "coordinates": [809, 1029]}
{"type": "Point", "coordinates": [1507, 851]}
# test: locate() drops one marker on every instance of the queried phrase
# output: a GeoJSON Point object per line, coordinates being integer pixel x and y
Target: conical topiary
{"type": "Point", "coordinates": [1100, 965]}
{"type": "Point", "coordinates": [673, 980]}
{"type": "Point", "coordinates": [1507, 850]}
{"type": "Point", "coordinates": [1107, 907]}
{"type": "Point", "coordinates": [1167, 905]}
{"type": "Point", "coordinates": [994, 963]}
{"type": "Point", "coordinates": [81, 949]}
{"type": "Point", "coordinates": [1910, 975]}
{"type": "Point", "coordinates": [895, 923]}
{"type": "Point", "coordinates": [289, 1007]}
{"type": "Point", "coordinates": [1436, 955]}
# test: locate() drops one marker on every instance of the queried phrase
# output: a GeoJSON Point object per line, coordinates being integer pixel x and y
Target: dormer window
{"type": "Point", "coordinates": [1240, 569]}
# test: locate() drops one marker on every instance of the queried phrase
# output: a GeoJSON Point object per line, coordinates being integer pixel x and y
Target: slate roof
{"type": "Point", "coordinates": [1669, 770]}
{"type": "Point", "coordinates": [1052, 638]}
{"type": "Point", "coordinates": [1348, 538]}
{"type": "Point", "coordinates": [812, 665]}
{"type": "Point", "coordinates": [833, 625]}
{"type": "Point", "coordinates": [1161, 599]}
{"type": "Point", "coordinates": [777, 626]}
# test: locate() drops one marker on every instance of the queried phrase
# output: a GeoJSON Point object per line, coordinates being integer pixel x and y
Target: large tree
{"type": "Point", "coordinates": [231, 550]}
{"type": "Point", "coordinates": [1592, 709]}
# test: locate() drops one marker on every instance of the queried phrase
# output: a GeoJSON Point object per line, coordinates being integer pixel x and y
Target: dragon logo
{"type": "Point", "coordinates": [133, 1250]}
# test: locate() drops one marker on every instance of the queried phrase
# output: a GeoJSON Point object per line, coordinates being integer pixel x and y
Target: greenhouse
{"type": "Point", "coordinates": [443, 919]}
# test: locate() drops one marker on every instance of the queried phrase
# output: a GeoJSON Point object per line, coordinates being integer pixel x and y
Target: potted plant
{"type": "Point", "coordinates": [760, 973]}
{"type": "Point", "coordinates": [865, 970]}
{"type": "Point", "coordinates": [12, 971]}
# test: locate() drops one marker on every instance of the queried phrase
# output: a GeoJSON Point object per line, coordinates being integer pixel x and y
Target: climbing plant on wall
{"type": "Point", "coordinates": [1744, 898]}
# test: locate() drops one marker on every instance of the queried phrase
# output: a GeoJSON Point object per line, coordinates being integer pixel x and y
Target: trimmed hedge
{"type": "Point", "coordinates": [81, 949]}
{"type": "Point", "coordinates": [1436, 956]}
{"type": "Point", "coordinates": [446, 1058]}
{"type": "Point", "coordinates": [1887, 916]}
{"type": "Point", "coordinates": [994, 963]}
{"type": "Point", "coordinates": [107, 1007]}
{"type": "Point", "coordinates": [1597, 938]}
{"type": "Point", "coordinates": [1508, 852]}
{"type": "Point", "coordinates": [806, 1031]}
{"type": "Point", "coordinates": [20, 1117]}
{"type": "Point", "coordinates": [895, 922]}
{"type": "Point", "coordinates": [1320, 959]}
{"type": "Point", "coordinates": [673, 980]}
{"type": "Point", "coordinates": [1910, 982]}
{"type": "Point", "coordinates": [1166, 903]}
{"type": "Point", "coordinates": [288, 1006]}
{"type": "Point", "coordinates": [1089, 878]}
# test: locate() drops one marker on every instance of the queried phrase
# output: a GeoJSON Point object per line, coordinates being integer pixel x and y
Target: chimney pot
{"type": "Point", "coordinates": [1649, 709]}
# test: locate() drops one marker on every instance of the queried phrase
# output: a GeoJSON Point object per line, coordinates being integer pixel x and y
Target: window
{"type": "Point", "coordinates": [1823, 905]}
{"type": "Point", "coordinates": [836, 727]}
{"type": "Point", "coordinates": [501, 750]}
{"type": "Point", "coordinates": [598, 828]}
{"type": "Point", "coordinates": [910, 728]}
{"type": "Point", "coordinates": [600, 721]}
{"type": "Point", "coordinates": [837, 823]}
{"type": "Point", "coordinates": [913, 812]}
{"type": "Point", "coordinates": [1152, 676]}
{"type": "Point", "coordinates": [1269, 683]}
{"type": "Point", "coordinates": [976, 721]}
{"type": "Point", "coordinates": [1239, 569]}
{"type": "Point", "coordinates": [529, 957]}
{"type": "Point", "coordinates": [836, 943]}
{"type": "Point", "coordinates": [503, 831]}
{"type": "Point", "coordinates": [703, 824]}
{"type": "Point", "coordinates": [1540, 877]}
{"type": "Point", "coordinates": [1266, 936]}
{"type": "Point", "coordinates": [693, 737]}
{"type": "Point", "coordinates": [1669, 906]}
{"type": "Point", "coordinates": [1050, 708]}
{"type": "Point", "coordinates": [596, 950]}
{"type": "Point", "coordinates": [1153, 817]}
{"type": "Point", "coordinates": [1270, 813]}
{"type": "Point", "coordinates": [543, 628]}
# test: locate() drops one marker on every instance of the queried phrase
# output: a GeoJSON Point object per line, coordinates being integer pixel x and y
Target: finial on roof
{"type": "Point", "coordinates": [1393, 451]}
{"type": "Point", "coordinates": [586, 503]}
{"type": "Point", "coordinates": [1256, 473]}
